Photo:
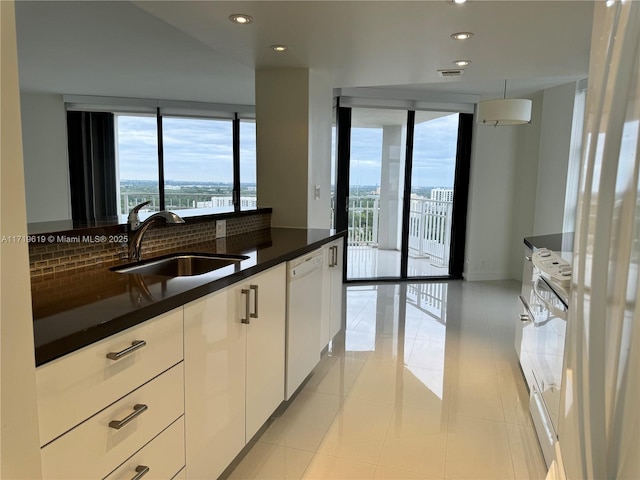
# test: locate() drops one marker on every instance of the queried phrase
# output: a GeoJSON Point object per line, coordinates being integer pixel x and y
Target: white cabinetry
{"type": "Point", "coordinates": [265, 347]}
{"type": "Point", "coordinates": [234, 368]}
{"type": "Point", "coordinates": [332, 291]}
{"type": "Point", "coordinates": [101, 404]}
{"type": "Point", "coordinates": [215, 359]}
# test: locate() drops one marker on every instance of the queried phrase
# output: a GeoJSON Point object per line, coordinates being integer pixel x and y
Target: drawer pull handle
{"type": "Point", "coordinates": [138, 409]}
{"type": "Point", "coordinates": [135, 345]}
{"type": "Point", "coordinates": [247, 308]}
{"type": "Point", "coordinates": [255, 300]}
{"type": "Point", "coordinates": [141, 470]}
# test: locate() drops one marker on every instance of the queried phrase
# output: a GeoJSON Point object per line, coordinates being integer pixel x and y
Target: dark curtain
{"type": "Point", "coordinates": [92, 167]}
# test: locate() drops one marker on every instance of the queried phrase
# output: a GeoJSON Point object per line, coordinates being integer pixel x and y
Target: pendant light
{"type": "Point", "coordinates": [504, 111]}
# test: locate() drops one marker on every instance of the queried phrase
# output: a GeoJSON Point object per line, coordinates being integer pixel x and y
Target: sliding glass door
{"type": "Point", "coordinates": [403, 170]}
{"type": "Point", "coordinates": [376, 179]}
{"type": "Point", "coordinates": [431, 206]}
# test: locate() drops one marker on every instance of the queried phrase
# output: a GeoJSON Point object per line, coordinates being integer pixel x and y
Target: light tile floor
{"type": "Point", "coordinates": [364, 262]}
{"type": "Point", "coordinates": [424, 384]}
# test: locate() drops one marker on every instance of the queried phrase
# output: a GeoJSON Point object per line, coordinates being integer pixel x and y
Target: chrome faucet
{"type": "Point", "coordinates": [138, 229]}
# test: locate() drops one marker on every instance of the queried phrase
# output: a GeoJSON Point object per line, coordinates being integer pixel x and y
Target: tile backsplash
{"type": "Point", "coordinates": [68, 252]}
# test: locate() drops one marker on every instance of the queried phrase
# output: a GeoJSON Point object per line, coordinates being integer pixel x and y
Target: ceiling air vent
{"type": "Point", "coordinates": [451, 72]}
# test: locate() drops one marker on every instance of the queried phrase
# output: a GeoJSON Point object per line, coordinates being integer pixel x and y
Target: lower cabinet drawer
{"type": "Point", "coordinates": [542, 424]}
{"type": "Point", "coordinates": [103, 442]}
{"type": "Point", "coordinates": [160, 459]}
{"type": "Point", "coordinates": [72, 388]}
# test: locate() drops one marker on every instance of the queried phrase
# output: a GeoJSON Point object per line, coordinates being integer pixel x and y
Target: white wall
{"type": "Point", "coordinates": [320, 118]}
{"type": "Point", "coordinates": [46, 165]}
{"type": "Point", "coordinates": [491, 203]}
{"type": "Point", "coordinates": [555, 148]}
{"type": "Point", "coordinates": [293, 145]}
{"type": "Point", "coordinates": [19, 441]}
{"type": "Point", "coordinates": [519, 174]}
{"type": "Point", "coordinates": [525, 184]}
{"type": "Point", "coordinates": [282, 144]}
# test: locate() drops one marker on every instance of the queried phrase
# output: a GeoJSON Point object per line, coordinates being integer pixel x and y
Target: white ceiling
{"type": "Point", "coordinates": [187, 50]}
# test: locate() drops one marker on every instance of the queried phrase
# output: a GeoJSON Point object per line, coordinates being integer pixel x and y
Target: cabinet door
{"type": "Point", "coordinates": [265, 346]}
{"type": "Point", "coordinates": [215, 352]}
{"type": "Point", "coordinates": [335, 319]}
{"type": "Point", "coordinates": [327, 274]}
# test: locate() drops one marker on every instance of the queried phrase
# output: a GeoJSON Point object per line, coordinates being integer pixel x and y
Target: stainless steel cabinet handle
{"type": "Point", "coordinates": [527, 258]}
{"type": "Point", "coordinates": [529, 315]}
{"type": "Point", "coordinates": [334, 256]}
{"type": "Point", "coordinates": [141, 470]}
{"type": "Point", "coordinates": [138, 409]}
{"type": "Point", "coordinates": [135, 345]}
{"type": "Point", "coordinates": [247, 309]}
{"type": "Point", "coordinates": [255, 301]}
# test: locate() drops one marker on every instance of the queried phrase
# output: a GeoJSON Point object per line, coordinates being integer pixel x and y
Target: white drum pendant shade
{"type": "Point", "coordinates": [504, 111]}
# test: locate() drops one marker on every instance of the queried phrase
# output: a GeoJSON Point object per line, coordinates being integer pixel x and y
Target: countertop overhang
{"type": "Point", "coordinates": [558, 242]}
{"type": "Point", "coordinates": [73, 310]}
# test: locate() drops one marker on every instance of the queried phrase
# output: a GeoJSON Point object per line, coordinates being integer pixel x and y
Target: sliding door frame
{"type": "Point", "coordinates": [460, 195]}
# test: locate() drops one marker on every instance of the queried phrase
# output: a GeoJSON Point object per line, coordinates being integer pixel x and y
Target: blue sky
{"type": "Point", "coordinates": [434, 151]}
{"type": "Point", "coordinates": [194, 149]}
{"type": "Point", "coordinates": [200, 150]}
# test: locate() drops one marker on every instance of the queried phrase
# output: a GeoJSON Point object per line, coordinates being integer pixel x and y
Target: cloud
{"type": "Point", "coordinates": [201, 150]}
{"type": "Point", "coordinates": [194, 149]}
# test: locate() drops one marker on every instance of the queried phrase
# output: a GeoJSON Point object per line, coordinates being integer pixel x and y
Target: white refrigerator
{"type": "Point", "coordinates": [599, 426]}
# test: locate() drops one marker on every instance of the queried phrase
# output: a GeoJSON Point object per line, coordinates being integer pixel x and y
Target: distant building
{"type": "Point", "coordinates": [442, 194]}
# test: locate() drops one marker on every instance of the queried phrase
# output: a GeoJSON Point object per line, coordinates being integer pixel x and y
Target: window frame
{"type": "Point", "coordinates": [175, 109]}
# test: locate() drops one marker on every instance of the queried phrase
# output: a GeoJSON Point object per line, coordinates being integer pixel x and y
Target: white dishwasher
{"type": "Point", "coordinates": [304, 315]}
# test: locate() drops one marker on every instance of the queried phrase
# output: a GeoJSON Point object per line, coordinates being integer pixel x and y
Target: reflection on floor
{"type": "Point", "coordinates": [370, 262]}
{"type": "Point", "coordinates": [424, 384]}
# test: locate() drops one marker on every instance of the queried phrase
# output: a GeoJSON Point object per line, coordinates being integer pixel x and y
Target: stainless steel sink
{"type": "Point", "coordinates": [180, 265]}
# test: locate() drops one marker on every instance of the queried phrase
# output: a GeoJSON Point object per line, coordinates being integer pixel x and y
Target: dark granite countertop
{"type": "Point", "coordinates": [558, 242]}
{"type": "Point", "coordinates": [73, 310]}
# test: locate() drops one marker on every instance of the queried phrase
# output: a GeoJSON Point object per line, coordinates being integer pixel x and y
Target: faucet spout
{"type": "Point", "coordinates": [137, 232]}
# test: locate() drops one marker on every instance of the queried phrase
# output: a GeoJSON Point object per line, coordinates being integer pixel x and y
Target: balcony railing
{"type": "Point", "coordinates": [182, 201]}
{"type": "Point", "coordinates": [429, 226]}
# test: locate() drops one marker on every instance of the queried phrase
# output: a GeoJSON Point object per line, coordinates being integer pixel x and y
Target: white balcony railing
{"type": "Point", "coordinates": [429, 226]}
{"type": "Point", "coordinates": [182, 201]}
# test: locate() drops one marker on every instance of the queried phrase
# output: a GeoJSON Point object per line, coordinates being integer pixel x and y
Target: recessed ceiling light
{"type": "Point", "coordinates": [459, 2]}
{"type": "Point", "coordinates": [279, 48]}
{"type": "Point", "coordinates": [461, 63]}
{"type": "Point", "coordinates": [461, 35]}
{"type": "Point", "coordinates": [241, 18]}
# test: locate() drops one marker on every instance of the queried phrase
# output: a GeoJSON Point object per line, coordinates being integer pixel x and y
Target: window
{"type": "Point", "coordinates": [176, 155]}
{"type": "Point", "coordinates": [248, 184]}
{"type": "Point", "coordinates": [137, 162]}
{"type": "Point", "coordinates": [198, 164]}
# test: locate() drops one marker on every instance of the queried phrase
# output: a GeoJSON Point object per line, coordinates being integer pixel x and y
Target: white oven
{"type": "Point", "coordinates": [540, 336]}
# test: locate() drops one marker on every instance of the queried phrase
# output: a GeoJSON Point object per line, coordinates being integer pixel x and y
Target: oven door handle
{"type": "Point", "coordinates": [562, 314]}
